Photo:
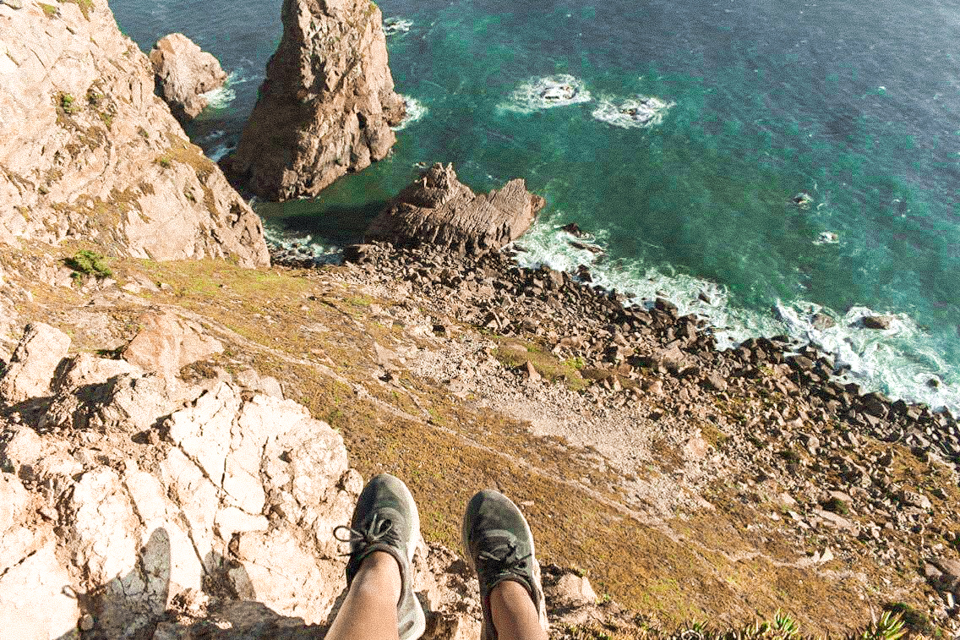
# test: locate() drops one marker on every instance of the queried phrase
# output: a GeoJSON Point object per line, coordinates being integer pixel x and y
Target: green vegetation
{"type": "Point", "coordinates": [783, 627]}
{"type": "Point", "coordinates": [67, 101]}
{"type": "Point", "coordinates": [165, 161]}
{"type": "Point", "coordinates": [86, 6]}
{"type": "Point", "coordinates": [88, 263]}
{"type": "Point", "coordinates": [48, 9]}
{"type": "Point", "coordinates": [517, 353]}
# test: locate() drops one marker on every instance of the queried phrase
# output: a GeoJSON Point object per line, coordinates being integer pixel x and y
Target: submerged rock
{"type": "Point", "coordinates": [440, 210]}
{"type": "Point", "coordinates": [326, 106]}
{"type": "Point", "coordinates": [185, 73]}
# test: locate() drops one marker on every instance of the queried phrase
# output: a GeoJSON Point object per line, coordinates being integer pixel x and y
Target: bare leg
{"type": "Point", "coordinates": [514, 614]}
{"type": "Point", "coordinates": [369, 611]}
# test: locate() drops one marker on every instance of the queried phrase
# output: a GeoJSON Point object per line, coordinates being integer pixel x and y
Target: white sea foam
{"type": "Point", "coordinates": [395, 26]}
{"type": "Point", "coordinates": [641, 112]}
{"type": "Point", "coordinates": [306, 244]}
{"type": "Point", "coordinates": [899, 361]}
{"type": "Point", "coordinates": [221, 97]}
{"type": "Point", "coordinates": [546, 93]}
{"type": "Point", "coordinates": [827, 237]}
{"type": "Point", "coordinates": [220, 151]}
{"type": "Point", "coordinates": [416, 110]}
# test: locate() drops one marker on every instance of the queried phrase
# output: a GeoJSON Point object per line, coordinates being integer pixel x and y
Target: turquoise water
{"type": "Point", "coordinates": [853, 103]}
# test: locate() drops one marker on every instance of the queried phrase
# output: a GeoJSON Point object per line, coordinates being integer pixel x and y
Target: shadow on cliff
{"type": "Point", "coordinates": [136, 607]}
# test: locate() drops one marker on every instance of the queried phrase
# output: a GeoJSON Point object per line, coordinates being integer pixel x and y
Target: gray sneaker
{"type": "Point", "coordinates": [499, 546]}
{"type": "Point", "coordinates": [386, 519]}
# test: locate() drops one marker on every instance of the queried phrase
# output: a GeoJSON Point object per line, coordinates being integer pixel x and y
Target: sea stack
{"type": "Point", "coordinates": [326, 106]}
{"type": "Point", "coordinates": [439, 210]}
{"type": "Point", "coordinates": [184, 74]}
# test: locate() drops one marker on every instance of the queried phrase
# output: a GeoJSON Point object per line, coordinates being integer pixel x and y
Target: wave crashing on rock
{"type": "Point", "coordinates": [546, 93]}
{"type": "Point", "coordinates": [415, 111]}
{"type": "Point", "coordinates": [641, 112]}
{"type": "Point", "coordinates": [396, 26]}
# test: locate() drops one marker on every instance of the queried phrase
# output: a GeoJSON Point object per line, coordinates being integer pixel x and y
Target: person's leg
{"type": "Point", "coordinates": [499, 546]}
{"type": "Point", "coordinates": [369, 611]}
{"type": "Point", "coordinates": [514, 615]}
{"type": "Point", "coordinates": [383, 535]}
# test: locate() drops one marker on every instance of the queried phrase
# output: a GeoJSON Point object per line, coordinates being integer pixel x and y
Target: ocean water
{"type": "Point", "coordinates": [678, 134]}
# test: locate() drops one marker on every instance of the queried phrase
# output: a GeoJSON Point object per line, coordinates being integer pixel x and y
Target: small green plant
{"type": "Point", "coordinates": [48, 10]}
{"type": "Point", "coordinates": [88, 263]}
{"type": "Point", "coordinates": [94, 97]}
{"type": "Point", "coordinates": [165, 161]}
{"type": "Point", "coordinates": [889, 627]}
{"type": "Point", "coordinates": [577, 363]}
{"type": "Point", "coordinates": [785, 625]}
{"type": "Point", "coordinates": [143, 133]}
{"type": "Point", "coordinates": [69, 104]}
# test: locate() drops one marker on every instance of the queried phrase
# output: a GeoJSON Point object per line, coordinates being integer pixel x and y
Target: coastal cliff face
{"type": "Point", "coordinates": [326, 106]}
{"type": "Point", "coordinates": [88, 152]}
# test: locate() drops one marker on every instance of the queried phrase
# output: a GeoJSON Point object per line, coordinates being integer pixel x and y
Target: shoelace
{"type": "Point", "coordinates": [503, 559]}
{"type": "Point", "coordinates": [379, 530]}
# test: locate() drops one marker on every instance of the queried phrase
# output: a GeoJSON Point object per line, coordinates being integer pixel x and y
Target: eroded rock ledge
{"type": "Point", "coordinates": [326, 106]}
{"type": "Point", "coordinates": [87, 151]}
{"type": "Point", "coordinates": [440, 211]}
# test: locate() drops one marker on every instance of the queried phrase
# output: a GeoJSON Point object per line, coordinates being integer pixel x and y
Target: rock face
{"type": "Point", "coordinates": [440, 210]}
{"type": "Point", "coordinates": [326, 106]}
{"type": "Point", "coordinates": [88, 151]}
{"type": "Point", "coordinates": [228, 492]}
{"type": "Point", "coordinates": [185, 73]}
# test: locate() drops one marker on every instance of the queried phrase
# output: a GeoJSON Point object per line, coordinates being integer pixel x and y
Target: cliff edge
{"type": "Point", "coordinates": [88, 151]}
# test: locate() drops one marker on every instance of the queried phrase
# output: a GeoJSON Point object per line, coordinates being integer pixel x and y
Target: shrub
{"type": "Point", "coordinates": [88, 263]}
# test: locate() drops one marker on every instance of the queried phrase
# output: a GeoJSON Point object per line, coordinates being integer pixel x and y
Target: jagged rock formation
{"type": "Point", "coordinates": [185, 73]}
{"type": "Point", "coordinates": [87, 151]}
{"type": "Point", "coordinates": [326, 106]}
{"type": "Point", "coordinates": [440, 210]}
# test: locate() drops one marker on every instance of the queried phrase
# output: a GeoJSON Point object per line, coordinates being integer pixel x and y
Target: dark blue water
{"type": "Point", "coordinates": [855, 104]}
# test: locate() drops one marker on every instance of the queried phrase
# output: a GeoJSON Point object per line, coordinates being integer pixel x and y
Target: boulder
{"type": "Point", "coordinates": [441, 211]}
{"type": "Point", "coordinates": [166, 343]}
{"type": "Point", "coordinates": [879, 323]}
{"type": "Point", "coordinates": [326, 106]}
{"type": "Point", "coordinates": [34, 363]}
{"type": "Point", "coordinates": [184, 73]}
{"type": "Point", "coordinates": [87, 150]}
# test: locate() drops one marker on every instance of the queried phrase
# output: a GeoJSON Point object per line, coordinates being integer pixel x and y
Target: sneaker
{"type": "Point", "coordinates": [499, 546]}
{"type": "Point", "coordinates": [386, 519]}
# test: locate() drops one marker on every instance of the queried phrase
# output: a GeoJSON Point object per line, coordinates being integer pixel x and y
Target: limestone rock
{"type": "Point", "coordinates": [440, 210]}
{"type": "Point", "coordinates": [33, 602]}
{"type": "Point", "coordinates": [326, 105]}
{"type": "Point", "coordinates": [34, 363]}
{"type": "Point", "coordinates": [185, 73]}
{"type": "Point", "coordinates": [87, 150]}
{"type": "Point", "coordinates": [166, 343]}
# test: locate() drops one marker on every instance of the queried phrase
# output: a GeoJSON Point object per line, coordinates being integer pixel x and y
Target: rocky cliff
{"type": "Point", "coordinates": [88, 152]}
{"type": "Point", "coordinates": [326, 106]}
{"type": "Point", "coordinates": [185, 73]}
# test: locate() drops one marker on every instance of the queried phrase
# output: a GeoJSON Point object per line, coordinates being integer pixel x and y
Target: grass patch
{"type": "Point", "coordinates": [86, 6]}
{"type": "Point", "coordinates": [48, 9]}
{"type": "Point", "coordinates": [88, 263]}
{"type": "Point", "coordinates": [517, 353]}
